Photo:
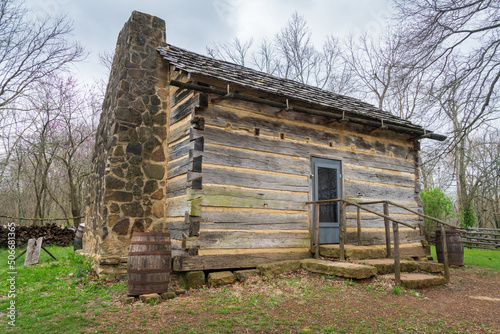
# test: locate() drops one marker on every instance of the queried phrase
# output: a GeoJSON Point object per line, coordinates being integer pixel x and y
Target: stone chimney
{"type": "Point", "coordinates": [127, 183]}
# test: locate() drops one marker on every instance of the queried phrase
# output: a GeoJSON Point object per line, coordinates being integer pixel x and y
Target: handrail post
{"type": "Point", "coordinates": [341, 230]}
{"type": "Point", "coordinates": [358, 223]}
{"type": "Point", "coordinates": [316, 229]}
{"type": "Point", "coordinates": [397, 264]}
{"type": "Point", "coordinates": [387, 230]}
{"type": "Point", "coordinates": [445, 254]}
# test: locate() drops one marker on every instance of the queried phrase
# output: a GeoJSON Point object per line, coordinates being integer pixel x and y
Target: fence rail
{"type": "Point", "coordinates": [475, 237]}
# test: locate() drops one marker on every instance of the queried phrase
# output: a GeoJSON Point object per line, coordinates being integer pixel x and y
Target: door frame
{"type": "Point", "coordinates": [311, 188]}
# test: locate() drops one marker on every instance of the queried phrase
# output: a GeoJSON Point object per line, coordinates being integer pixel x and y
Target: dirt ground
{"type": "Point", "coordinates": [302, 302]}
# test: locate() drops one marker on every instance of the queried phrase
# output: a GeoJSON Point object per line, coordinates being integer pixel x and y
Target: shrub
{"type": "Point", "coordinates": [435, 204]}
{"type": "Point", "coordinates": [467, 218]}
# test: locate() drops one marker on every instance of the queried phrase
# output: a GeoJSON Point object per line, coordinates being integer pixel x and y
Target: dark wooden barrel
{"type": "Point", "coordinates": [454, 245]}
{"type": "Point", "coordinates": [78, 244]}
{"type": "Point", "coordinates": [149, 261]}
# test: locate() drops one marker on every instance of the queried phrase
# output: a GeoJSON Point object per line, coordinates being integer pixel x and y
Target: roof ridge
{"type": "Point", "coordinates": [193, 62]}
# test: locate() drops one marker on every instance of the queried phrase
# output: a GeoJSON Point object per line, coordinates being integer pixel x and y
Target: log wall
{"type": "Point", "coordinates": [181, 120]}
{"type": "Point", "coordinates": [240, 176]}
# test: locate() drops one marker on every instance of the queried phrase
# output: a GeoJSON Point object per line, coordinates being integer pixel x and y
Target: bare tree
{"type": "Point", "coordinates": [300, 60]}
{"type": "Point", "coordinates": [265, 59]}
{"type": "Point", "coordinates": [78, 116]}
{"type": "Point", "coordinates": [292, 55]}
{"type": "Point", "coordinates": [377, 64]}
{"type": "Point", "coordinates": [235, 51]}
{"type": "Point", "coordinates": [30, 50]}
{"type": "Point", "coordinates": [483, 176]}
{"type": "Point", "coordinates": [464, 32]}
{"type": "Point", "coordinates": [52, 160]}
{"type": "Point", "coordinates": [341, 79]}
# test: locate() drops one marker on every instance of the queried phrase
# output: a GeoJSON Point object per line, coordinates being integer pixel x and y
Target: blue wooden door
{"type": "Point", "coordinates": [327, 185]}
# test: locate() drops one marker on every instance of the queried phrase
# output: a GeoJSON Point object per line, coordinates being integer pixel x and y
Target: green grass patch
{"type": "Point", "coordinates": [52, 296]}
{"type": "Point", "coordinates": [475, 257]}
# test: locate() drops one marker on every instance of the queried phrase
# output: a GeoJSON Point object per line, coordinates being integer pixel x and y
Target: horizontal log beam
{"type": "Point", "coordinates": [232, 261]}
{"type": "Point", "coordinates": [335, 114]}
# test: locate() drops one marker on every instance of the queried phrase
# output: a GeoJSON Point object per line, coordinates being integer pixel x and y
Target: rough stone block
{"type": "Point", "coordinates": [179, 292]}
{"type": "Point", "coordinates": [194, 279]}
{"type": "Point", "coordinates": [119, 196]}
{"type": "Point", "coordinates": [420, 281]}
{"type": "Point", "coordinates": [110, 261]}
{"type": "Point", "coordinates": [243, 275]}
{"type": "Point", "coordinates": [154, 171]}
{"type": "Point", "coordinates": [342, 269]}
{"type": "Point", "coordinates": [352, 252]}
{"type": "Point", "coordinates": [133, 209]}
{"type": "Point", "coordinates": [386, 266]}
{"type": "Point", "coordinates": [158, 209]}
{"type": "Point", "coordinates": [151, 298]}
{"type": "Point", "coordinates": [431, 267]}
{"type": "Point", "coordinates": [221, 278]}
{"type": "Point", "coordinates": [279, 267]}
{"type": "Point", "coordinates": [150, 186]}
{"type": "Point", "coordinates": [121, 227]}
{"type": "Point", "coordinates": [168, 295]}
{"type": "Point", "coordinates": [114, 183]}
{"type": "Point", "coordinates": [127, 300]}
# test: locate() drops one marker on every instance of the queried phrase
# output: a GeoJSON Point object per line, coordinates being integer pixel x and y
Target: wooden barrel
{"type": "Point", "coordinates": [149, 261]}
{"type": "Point", "coordinates": [78, 244]}
{"type": "Point", "coordinates": [454, 245]}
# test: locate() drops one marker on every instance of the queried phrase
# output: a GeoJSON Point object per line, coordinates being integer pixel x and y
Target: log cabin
{"type": "Point", "coordinates": [224, 158]}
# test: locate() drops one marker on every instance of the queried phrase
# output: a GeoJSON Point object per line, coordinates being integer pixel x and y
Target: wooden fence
{"type": "Point", "coordinates": [475, 237]}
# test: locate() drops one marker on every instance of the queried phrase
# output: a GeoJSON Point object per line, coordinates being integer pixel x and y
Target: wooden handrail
{"type": "Point", "coordinates": [383, 216]}
{"type": "Point", "coordinates": [380, 214]}
{"type": "Point", "coordinates": [387, 218]}
{"type": "Point", "coordinates": [362, 208]}
{"type": "Point", "coordinates": [422, 215]}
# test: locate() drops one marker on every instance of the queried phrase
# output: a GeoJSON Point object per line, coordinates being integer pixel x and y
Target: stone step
{"type": "Point", "coordinates": [386, 266]}
{"type": "Point", "coordinates": [342, 269]}
{"type": "Point", "coordinates": [352, 252]}
{"type": "Point", "coordinates": [418, 280]}
{"type": "Point", "coordinates": [430, 266]}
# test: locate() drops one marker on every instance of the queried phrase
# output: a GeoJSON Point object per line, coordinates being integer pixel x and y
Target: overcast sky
{"type": "Point", "coordinates": [195, 24]}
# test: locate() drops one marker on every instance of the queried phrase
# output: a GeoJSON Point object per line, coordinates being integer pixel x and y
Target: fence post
{"type": "Point", "coordinates": [358, 223]}
{"type": "Point", "coordinates": [468, 235]}
{"type": "Point", "coordinates": [445, 254]}
{"type": "Point", "coordinates": [397, 265]}
{"type": "Point", "coordinates": [341, 230]}
{"type": "Point", "coordinates": [387, 230]}
{"type": "Point", "coordinates": [316, 229]}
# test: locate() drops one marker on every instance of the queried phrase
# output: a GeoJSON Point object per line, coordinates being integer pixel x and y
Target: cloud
{"type": "Point", "coordinates": [195, 24]}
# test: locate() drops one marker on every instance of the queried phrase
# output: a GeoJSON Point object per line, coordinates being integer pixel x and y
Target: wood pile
{"type": "Point", "coordinates": [53, 235]}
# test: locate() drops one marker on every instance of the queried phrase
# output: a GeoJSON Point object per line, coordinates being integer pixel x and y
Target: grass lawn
{"type": "Point", "coordinates": [56, 297]}
{"type": "Point", "coordinates": [482, 258]}
{"type": "Point", "coordinates": [51, 297]}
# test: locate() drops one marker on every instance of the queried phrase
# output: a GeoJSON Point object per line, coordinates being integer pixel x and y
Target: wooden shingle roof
{"type": "Point", "coordinates": [192, 62]}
